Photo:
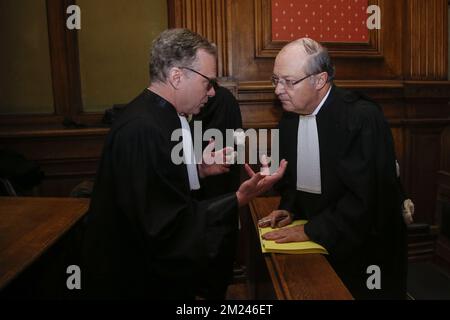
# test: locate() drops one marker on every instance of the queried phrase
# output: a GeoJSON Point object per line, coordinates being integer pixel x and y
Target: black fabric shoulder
{"type": "Point", "coordinates": [137, 124]}
{"type": "Point", "coordinates": [288, 116]}
{"type": "Point", "coordinates": [361, 111]}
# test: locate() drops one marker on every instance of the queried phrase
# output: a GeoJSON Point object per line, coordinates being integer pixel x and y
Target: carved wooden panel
{"type": "Point", "coordinates": [67, 157]}
{"type": "Point", "coordinates": [209, 18]}
{"type": "Point", "coordinates": [423, 166]}
{"type": "Point", "coordinates": [445, 145]}
{"type": "Point", "coordinates": [443, 218]}
{"type": "Point", "coordinates": [426, 52]}
{"type": "Point", "coordinates": [64, 59]}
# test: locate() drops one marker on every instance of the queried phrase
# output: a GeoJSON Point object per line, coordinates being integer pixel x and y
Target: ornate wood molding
{"type": "Point", "coordinates": [380, 88]}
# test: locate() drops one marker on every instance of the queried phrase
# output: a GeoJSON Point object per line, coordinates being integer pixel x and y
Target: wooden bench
{"type": "Point", "coordinates": [284, 276]}
{"type": "Point", "coordinates": [29, 229]}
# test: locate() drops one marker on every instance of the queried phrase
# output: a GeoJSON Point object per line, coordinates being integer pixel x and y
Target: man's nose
{"type": "Point", "coordinates": [279, 88]}
{"type": "Point", "coordinates": [211, 92]}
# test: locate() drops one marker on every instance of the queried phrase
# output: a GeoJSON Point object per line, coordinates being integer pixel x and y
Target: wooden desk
{"type": "Point", "coordinates": [290, 277]}
{"type": "Point", "coordinates": [30, 226]}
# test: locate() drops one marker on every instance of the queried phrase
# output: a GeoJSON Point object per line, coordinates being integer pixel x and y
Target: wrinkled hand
{"type": "Point", "coordinates": [258, 184]}
{"type": "Point", "coordinates": [289, 234]}
{"type": "Point", "coordinates": [276, 219]}
{"type": "Point", "coordinates": [215, 162]}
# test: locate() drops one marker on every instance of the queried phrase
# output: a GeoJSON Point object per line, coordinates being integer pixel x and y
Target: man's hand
{"type": "Point", "coordinates": [215, 162]}
{"type": "Point", "coordinates": [276, 219]}
{"type": "Point", "coordinates": [290, 234]}
{"type": "Point", "coordinates": [258, 184]}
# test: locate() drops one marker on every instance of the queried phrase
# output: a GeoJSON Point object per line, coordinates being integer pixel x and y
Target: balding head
{"type": "Point", "coordinates": [302, 75]}
{"type": "Point", "coordinates": [317, 57]}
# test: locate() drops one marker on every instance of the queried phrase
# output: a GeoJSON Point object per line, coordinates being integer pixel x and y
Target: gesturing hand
{"type": "Point", "coordinates": [258, 184]}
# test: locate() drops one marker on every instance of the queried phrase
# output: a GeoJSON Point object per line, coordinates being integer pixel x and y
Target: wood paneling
{"type": "Point", "coordinates": [64, 59]}
{"type": "Point", "coordinates": [443, 202]}
{"type": "Point", "coordinates": [254, 53]}
{"type": "Point", "coordinates": [424, 157]}
{"type": "Point", "coordinates": [403, 67]}
{"type": "Point", "coordinates": [67, 157]}
{"type": "Point", "coordinates": [211, 18]}
{"type": "Point", "coordinates": [445, 146]}
{"type": "Point", "coordinates": [407, 76]}
{"type": "Point", "coordinates": [426, 51]}
{"type": "Point", "coordinates": [443, 216]}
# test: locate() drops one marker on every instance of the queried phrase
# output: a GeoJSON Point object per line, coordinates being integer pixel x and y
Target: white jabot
{"type": "Point", "coordinates": [188, 154]}
{"type": "Point", "coordinates": [308, 152]}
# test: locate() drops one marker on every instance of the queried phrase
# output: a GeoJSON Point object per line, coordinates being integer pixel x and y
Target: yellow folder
{"type": "Point", "coordinates": [290, 247]}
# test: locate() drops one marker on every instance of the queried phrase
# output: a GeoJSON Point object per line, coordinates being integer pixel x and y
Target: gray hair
{"type": "Point", "coordinates": [319, 59]}
{"type": "Point", "coordinates": [176, 48]}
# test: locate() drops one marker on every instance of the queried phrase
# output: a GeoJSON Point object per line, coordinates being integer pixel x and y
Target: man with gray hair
{"type": "Point", "coordinates": [342, 175]}
{"type": "Point", "coordinates": [146, 235]}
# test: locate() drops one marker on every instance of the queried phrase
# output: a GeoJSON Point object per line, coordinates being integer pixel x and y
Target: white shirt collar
{"type": "Point", "coordinates": [316, 111]}
{"type": "Point", "coordinates": [308, 152]}
{"type": "Point", "coordinates": [188, 154]}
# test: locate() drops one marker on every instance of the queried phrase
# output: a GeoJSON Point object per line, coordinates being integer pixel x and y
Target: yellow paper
{"type": "Point", "coordinates": [290, 247]}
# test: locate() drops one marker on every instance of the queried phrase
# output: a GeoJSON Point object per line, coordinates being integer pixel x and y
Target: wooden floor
{"type": "Point", "coordinates": [425, 281]}
{"type": "Point", "coordinates": [237, 291]}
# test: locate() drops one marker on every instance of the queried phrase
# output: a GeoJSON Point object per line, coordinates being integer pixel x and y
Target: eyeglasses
{"type": "Point", "coordinates": [212, 83]}
{"type": "Point", "coordinates": [287, 83]}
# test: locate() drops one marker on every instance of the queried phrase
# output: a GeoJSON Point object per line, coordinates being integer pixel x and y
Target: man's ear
{"type": "Point", "coordinates": [321, 80]}
{"type": "Point", "coordinates": [174, 77]}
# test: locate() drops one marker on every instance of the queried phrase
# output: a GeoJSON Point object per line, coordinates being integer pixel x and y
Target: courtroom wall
{"type": "Point", "coordinates": [403, 66]}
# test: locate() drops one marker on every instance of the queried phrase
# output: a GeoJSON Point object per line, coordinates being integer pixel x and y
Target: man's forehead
{"type": "Point", "coordinates": [289, 63]}
{"type": "Point", "coordinates": [207, 63]}
{"type": "Point", "coordinates": [292, 50]}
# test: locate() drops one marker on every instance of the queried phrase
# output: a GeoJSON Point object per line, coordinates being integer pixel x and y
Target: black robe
{"type": "Point", "coordinates": [358, 215]}
{"type": "Point", "coordinates": [146, 236]}
{"type": "Point", "coordinates": [222, 112]}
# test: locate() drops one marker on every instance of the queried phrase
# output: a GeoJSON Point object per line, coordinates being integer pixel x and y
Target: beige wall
{"type": "Point", "coordinates": [25, 77]}
{"type": "Point", "coordinates": [114, 41]}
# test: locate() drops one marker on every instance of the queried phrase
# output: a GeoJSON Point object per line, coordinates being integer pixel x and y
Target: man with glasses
{"type": "Point", "coordinates": [146, 235]}
{"type": "Point", "coordinates": [341, 177]}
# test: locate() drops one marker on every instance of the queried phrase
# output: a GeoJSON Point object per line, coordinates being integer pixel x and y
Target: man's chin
{"type": "Point", "coordinates": [287, 106]}
{"type": "Point", "coordinates": [198, 109]}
